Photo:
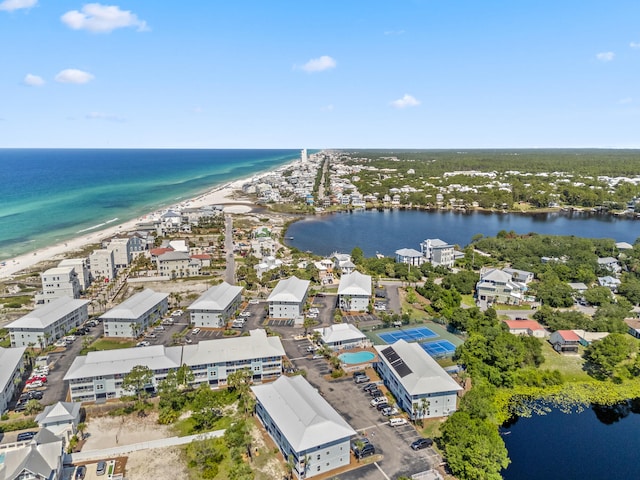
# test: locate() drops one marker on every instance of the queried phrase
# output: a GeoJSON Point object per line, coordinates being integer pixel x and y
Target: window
{"type": "Point", "coordinates": [318, 457]}
{"type": "Point", "coordinates": [318, 469]}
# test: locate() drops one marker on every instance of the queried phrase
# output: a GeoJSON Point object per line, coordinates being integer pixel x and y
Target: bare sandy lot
{"type": "Point", "coordinates": [156, 463]}
{"type": "Point", "coordinates": [107, 431]}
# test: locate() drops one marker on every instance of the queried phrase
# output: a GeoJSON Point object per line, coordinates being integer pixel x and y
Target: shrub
{"type": "Point", "coordinates": [23, 424]}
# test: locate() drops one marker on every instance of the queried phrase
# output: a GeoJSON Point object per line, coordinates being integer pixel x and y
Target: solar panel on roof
{"type": "Point", "coordinates": [396, 362]}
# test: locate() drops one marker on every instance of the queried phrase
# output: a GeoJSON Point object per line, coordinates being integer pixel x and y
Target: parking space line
{"type": "Point", "coordinates": [381, 471]}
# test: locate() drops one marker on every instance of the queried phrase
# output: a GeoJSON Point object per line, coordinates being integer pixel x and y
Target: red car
{"type": "Point", "coordinates": [37, 378]}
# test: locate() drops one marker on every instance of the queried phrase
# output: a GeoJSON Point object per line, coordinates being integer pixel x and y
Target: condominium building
{"type": "Point", "coordinates": [216, 306]}
{"type": "Point", "coordinates": [12, 361]}
{"type": "Point", "coordinates": [306, 429]}
{"type": "Point", "coordinates": [99, 375]}
{"type": "Point", "coordinates": [134, 315]}
{"type": "Point", "coordinates": [59, 282]}
{"type": "Point", "coordinates": [121, 248]}
{"type": "Point", "coordinates": [354, 292]}
{"type": "Point", "coordinates": [46, 324]}
{"type": "Point", "coordinates": [81, 266]}
{"type": "Point", "coordinates": [287, 300]}
{"type": "Point", "coordinates": [102, 264]}
{"type": "Point", "coordinates": [437, 252]}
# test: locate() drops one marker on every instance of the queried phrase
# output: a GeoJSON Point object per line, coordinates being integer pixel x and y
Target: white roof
{"type": "Point", "coordinates": [340, 332]}
{"type": "Point", "coordinates": [111, 362]}
{"type": "Point", "coordinates": [408, 252]}
{"type": "Point", "coordinates": [355, 283]}
{"type": "Point", "coordinates": [174, 255]}
{"type": "Point", "coordinates": [59, 270]}
{"type": "Point", "coordinates": [436, 242]}
{"type": "Point", "coordinates": [134, 307]}
{"type": "Point", "coordinates": [9, 359]}
{"type": "Point", "coordinates": [256, 345]}
{"type": "Point", "coordinates": [424, 375]}
{"type": "Point", "coordinates": [496, 275]}
{"type": "Point", "coordinates": [606, 260]}
{"type": "Point", "coordinates": [49, 313]}
{"type": "Point", "coordinates": [290, 290]}
{"type": "Point", "coordinates": [217, 298]}
{"type": "Point", "coordinates": [511, 271]}
{"type": "Point", "coordinates": [305, 418]}
{"type": "Point", "coordinates": [60, 412]}
{"type": "Point", "coordinates": [41, 457]}
{"type": "Point", "coordinates": [623, 246]}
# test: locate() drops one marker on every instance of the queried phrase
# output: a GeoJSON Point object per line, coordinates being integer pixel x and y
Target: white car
{"type": "Point", "coordinates": [245, 314]}
{"type": "Point", "coordinates": [254, 301]}
{"type": "Point", "coordinates": [378, 400]}
{"type": "Point", "coordinates": [317, 356]}
{"type": "Point", "coordinates": [36, 384]}
{"type": "Point", "coordinates": [143, 344]}
{"type": "Point", "coordinates": [159, 328]}
{"type": "Point", "coordinates": [177, 313]}
{"type": "Point", "coordinates": [150, 335]}
{"type": "Point", "coordinates": [314, 310]}
{"type": "Point", "coordinates": [195, 331]}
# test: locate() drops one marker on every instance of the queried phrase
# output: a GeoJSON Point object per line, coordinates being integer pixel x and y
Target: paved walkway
{"type": "Point", "coordinates": [134, 447]}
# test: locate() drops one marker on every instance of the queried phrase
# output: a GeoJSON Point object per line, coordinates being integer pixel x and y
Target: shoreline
{"type": "Point", "coordinates": [218, 195]}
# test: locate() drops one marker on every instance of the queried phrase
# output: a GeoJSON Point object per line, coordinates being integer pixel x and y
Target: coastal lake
{"type": "Point", "coordinates": [598, 443]}
{"type": "Point", "coordinates": [389, 230]}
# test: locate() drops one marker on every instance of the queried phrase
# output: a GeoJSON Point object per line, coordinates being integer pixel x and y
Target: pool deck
{"type": "Point", "coordinates": [349, 367]}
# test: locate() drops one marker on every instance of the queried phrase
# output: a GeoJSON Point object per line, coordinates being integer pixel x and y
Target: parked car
{"type": "Point", "coordinates": [397, 421]}
{"type": "Point", "coordinates": [369, 386]}
{"type": "Point", "coordinates": [21, 406]}
{"type": "Point", "coordinates": [143, 344]}
{"type": "Point", "coordinates": [159, 328]}
{"type": "Point", "coordinates": [245, 314]}
{"type": "Point", "coordinates": [362, 448]}
{"type": "Point", "coordinates": [359, 374]}
{"type": "Point", "coordinates": [254, 301]}
{"type": "Point", "coordinates": [150, 335]}
{"type": "Point", "coordinates": [382, 405]}
{"type": "Point", "coordinates": [188, 340]}
{"type": "Point", "coordinates": [195, 331]}
{"type": "Point", "coordinates": [101, 468]}
{"type": "Point", "coordinates": [388, 411]}
{"type": "Point", "coordinates": [317, 356]}
{"type": "Point", "coordinates": [167, 321]}
{"type": "Point", "coordinates": [362, 379]}
{"type": "Point", "coordinates": [177, 313]}
{"type": "Point", "coordinates": [375, 392]}
{"type": "Point", "coordinates": [34, 395]}
{"type": "Point", "coordinates": [24, 436]}
{"type": "Point", "coordinates": [421, 443]}
{"type": "Point", "coordinates": [81, 472]}
{"type": "Point", "coordinates": [35, 384]}
{"type": "Point", "coordinates": [378, 400]}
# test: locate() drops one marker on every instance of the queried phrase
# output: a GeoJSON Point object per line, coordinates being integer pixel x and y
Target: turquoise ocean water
{"type": "Point", "coordinates": [48, 196]}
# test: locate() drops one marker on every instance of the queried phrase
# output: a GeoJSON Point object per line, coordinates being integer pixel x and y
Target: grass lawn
{"type": "Point", "coordinates": [186, 426]}
{"type": "Point", "coordinates": [468, 300]}
{"type": "Point", "coordinates": [108, 344]}
{"type": "Point", "coordinates": [569, 365]}
{"type": "Point", "coordinates": [431, 428]}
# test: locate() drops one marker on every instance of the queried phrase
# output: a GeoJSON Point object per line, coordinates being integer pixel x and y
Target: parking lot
{"type": "Point", "coordinates": [392, 442]}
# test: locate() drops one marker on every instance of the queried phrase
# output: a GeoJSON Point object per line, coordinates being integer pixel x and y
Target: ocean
{"type": "Point", "coordinates": [51, 195]}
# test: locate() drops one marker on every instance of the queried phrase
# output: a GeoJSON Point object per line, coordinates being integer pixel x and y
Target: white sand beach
{"type": "Point", "coordinates": [217, 196]}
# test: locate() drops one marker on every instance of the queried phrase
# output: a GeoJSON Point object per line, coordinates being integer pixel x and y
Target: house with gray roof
{"type": "Point", "coordinates": [521, 276]}
{"type": "Point", "coordinates": [12, 361]}
{"type": "Point", "coordinates": [303, 425]}
{"type": "Point", "coordinates": [438, 252]}
{"type": "Point", "coordinates": [410, 256]}
{"type": "Point", "coordinates": [354, 292]}
{"type": "Point", "coordinates": [40, 458]}
{"type": "Point", "coordinates": [176, 264]}
{"type": "Point", "coordinates": [215, 307]}
{"type": "Point", "coordinates": [48, 323]}
{"type": "Point", "coordinates": [134, 315]}
{"type": "Point", "coordinates": [421, 387]}
{"type": "Point", "coordinates": [99, 375]}
{"type": "Point", "coordinates": [287, 300]}
{"type": "Point", "coordinates": [498, 286]}
{"type": "Point", "coordinates": [61, 418]}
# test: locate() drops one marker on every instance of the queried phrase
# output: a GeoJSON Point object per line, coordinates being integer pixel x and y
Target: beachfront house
{"type": "Point", "coordinates": [521, 276]}
{"type": "Point", "coordinates": [438, 252]}
{"type": "Point", "coordinates": [134, 315]}
{"type": "Point", "coordinates": [99, 375]}
{"type": "Point", "coordinates": [342, 336]}
{"type": "Point", "coordinates": [102, 264]}
{"type": "Point", "coordinates": [176, 264]}
{"type": "Point", "coordinates": [420, 386]}
{"type": "Point", "coordinates": [307, 430]}
{"type": "Point", "coordinates": [61, 419]}
{"type": "Point", "coordinates": [288, 299]}
{"type": "Point", "coordinates": [354, 292]}
{"type": "Point", "coordinates": [12, 361]}
{"type": "Point", "coordinates": [121, 248]}
{"type": "Point", "coordinates": [530, 328]}
{"type": "Point", "coordinates": [81, 266]}
{"type": "Point", "coordinates": [59, 282]}
{"type": "Point", "coordinates": [343, 263]}
{"type": "Point", "coordinates": [48, 323]}
{"type": "Point", "coordinates": [565, 341]}
{"type": "Point", "coordinates": [216, 306]}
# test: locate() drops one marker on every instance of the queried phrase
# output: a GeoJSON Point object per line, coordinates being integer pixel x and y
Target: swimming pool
{"type": "Point", "coordinates": [357, 357]}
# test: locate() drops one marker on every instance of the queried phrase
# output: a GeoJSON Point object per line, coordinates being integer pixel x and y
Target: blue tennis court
{"type": "Point", "coordinates": [412, 334]}
{"type": "Point", "coordinates": [439, 348]}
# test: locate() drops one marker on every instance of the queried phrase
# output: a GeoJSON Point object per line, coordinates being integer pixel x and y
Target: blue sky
{"type": "Point", "coordinates": [320, 74]}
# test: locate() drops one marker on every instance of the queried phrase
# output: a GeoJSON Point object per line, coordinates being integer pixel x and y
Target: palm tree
{"type": "Point", "coordinates": [82, 427]}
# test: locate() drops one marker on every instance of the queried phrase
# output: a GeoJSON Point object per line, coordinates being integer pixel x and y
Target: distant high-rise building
{"type": "Point", "coordinates": [303, 155]}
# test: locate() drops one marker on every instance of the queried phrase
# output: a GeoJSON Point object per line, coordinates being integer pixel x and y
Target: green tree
{"type": "Point", "coordinates": [357, 255]}
{"type": "Point", "coordinates": [205, 456]}
{"type": "Point", "coordinates": [603, 356]}
{"type": "Point", "coordinates": [206, 408]}
{"type": "Point", "coordinates": [598, 295]}
{"type": "Point", "coordinates": [473, 448]}
{"type": "Point", "coordinates": [137, 380]}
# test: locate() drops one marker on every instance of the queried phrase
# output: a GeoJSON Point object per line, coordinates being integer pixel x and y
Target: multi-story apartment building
{"type": "Point", "coordinates": [215, 306]}
{"type": "Point", "coordinates": [102, 264]}
{"type": "Point", "coordinates": [288, 298]}
{"type": "Point", "coordinates": [134, 315]}
{"type": "Point", "coordinates": [59, 282]}
{"type": "Point", "coordinates": [12, 361]}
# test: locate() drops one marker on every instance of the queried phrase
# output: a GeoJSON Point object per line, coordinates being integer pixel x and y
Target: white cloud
{"type": "Point", "coordinates": [406, 101]}
{"type": "Point", "coordinates": [634, 44]}
{"type": "Point", "coordinates": [33, 80]}
{"type": "Point", "coordinates": [103, 116]}
{"type": "Point", "coordinates": [605, 56]}
{"type": "Point", "coordinates": [98, 18]}
{"type": "Point", "coordinates": [320, 64]}
{"type": "Point", "coordinates": [11, 5]}
{"type": "Point", "coordinates": [71, 75]}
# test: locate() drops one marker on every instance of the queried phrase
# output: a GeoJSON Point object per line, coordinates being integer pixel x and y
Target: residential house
{"type": "Point", "coordinates": [83, 272]}
{"type": "Point", "coordinates": [343, 263]}
{"type": "Point", "coordinates": [48, 323]}
{"type": "Point", "coordinates": [121, 247]}
{"type": "Point", "coordinates": [342, 336]}
{"type": "Point", "coordinates": [216, 306]}
{"type": "Point", "coordinates": [610, 282]}
{"type": "Point", "coordinates": [40, 458]}
{"type": "Point", "coordinates": [102, 264]}
{"type": "Point", "coordinates": [354, 292]}
{"type": "Point", "coordinates": [268, 263]}
{"type": "Point", "coordinates": [498, 287]}
{"type": "Point", "coordinates": [586, 338]}
{"type": "Point", "coordinates": [634, 326]}
{"type": "Point", "coordinates": [565, 341]}
{"type": "Point", "coordinates": [99, 375]}
{"type": "Point", "coordinates": [306, 429]}
{"type": "Point", "coordinates": [59, 282]}
{"type": "Point", "coordinates": [526, 327]}
{"type": "Point", "coordinates": [136, 314]}
{"type": "Point", "coordinates": [624, 246]}
{"type": "Point", "coordinates": [410, 257]}
{"type": "Point", "coordinates": [578, 287]}
{"type": "Point", "coordinates": [288, 299]}
{"type": "Point", "coordinates": [12, 361]}
{"type": "Point", "coordinates": [420, 386]}
{"type": "Point", "coordinates": [610, 264]}
{"type": "Point", "coordinates": [177, 264]}
{"type": "Point", "coordinates": [437, 252]}
{"type": "Point", "coordinates": [61, 419]}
